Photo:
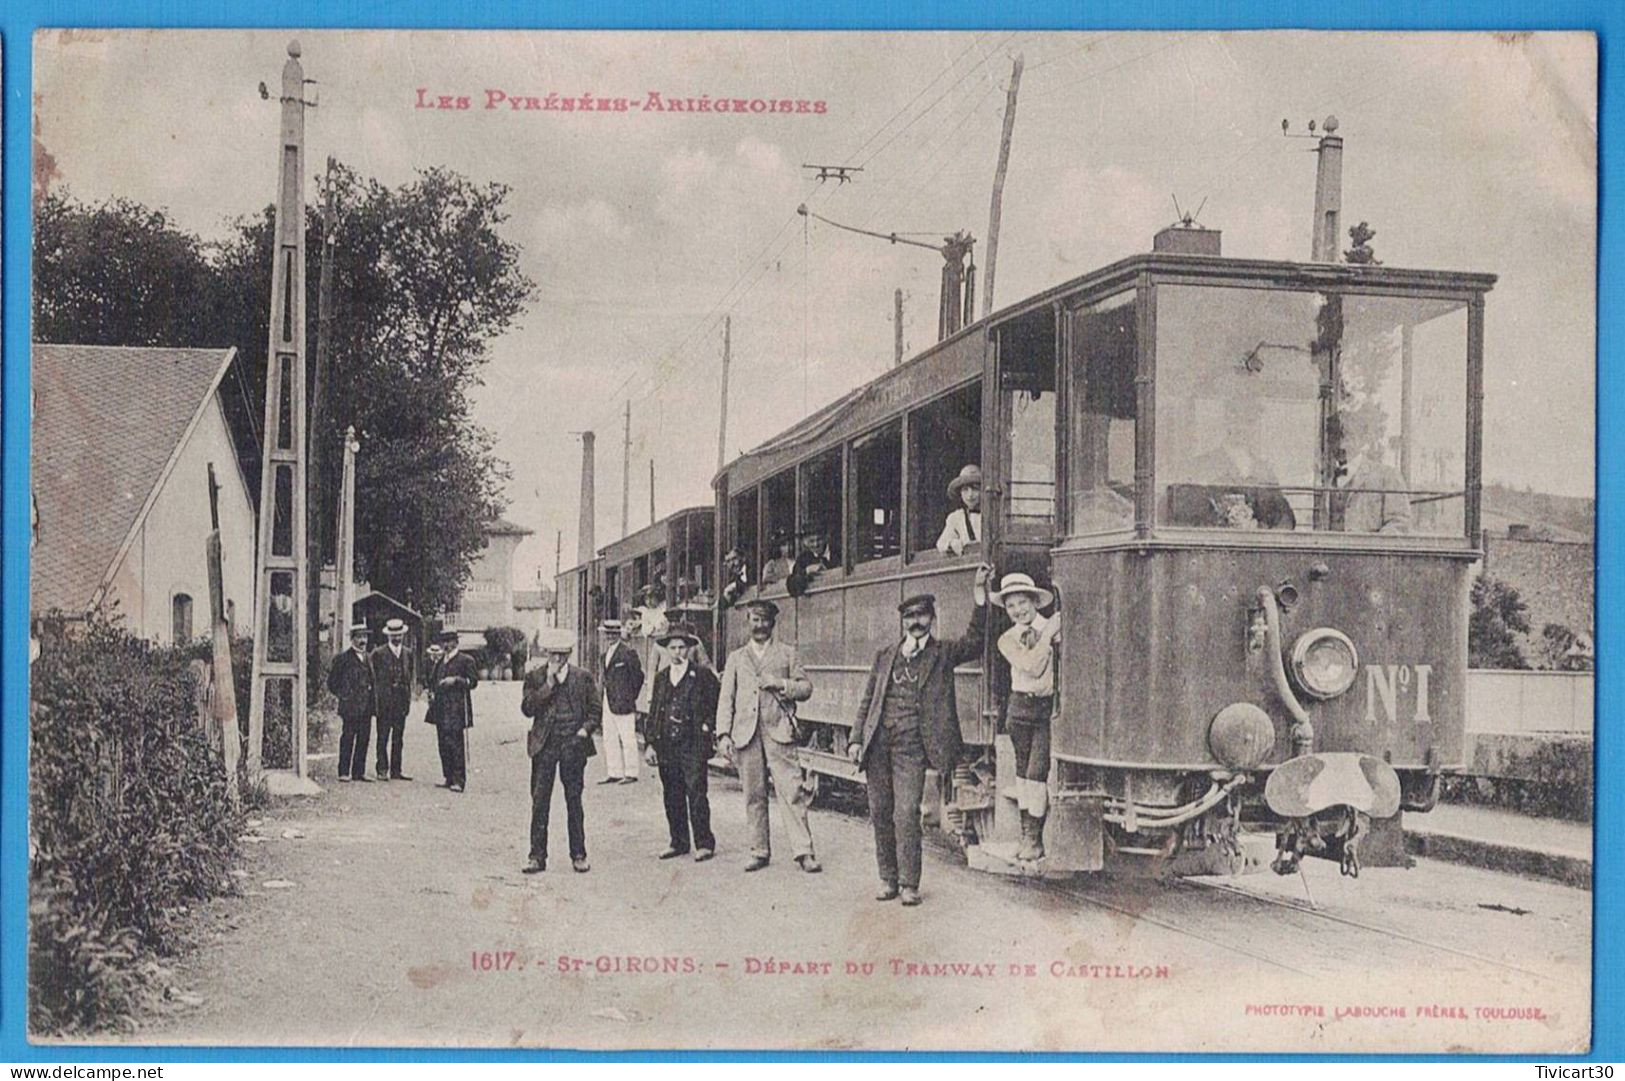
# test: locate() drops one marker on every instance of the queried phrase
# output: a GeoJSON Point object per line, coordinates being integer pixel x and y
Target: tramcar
{"type": "Point", "coordinates": [661, 573]}
{"type": "Point", "coordinates": [1253, 487]}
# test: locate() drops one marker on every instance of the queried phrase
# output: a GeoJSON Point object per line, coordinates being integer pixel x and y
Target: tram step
{"type": "Point", "coordinates": [999, 858]}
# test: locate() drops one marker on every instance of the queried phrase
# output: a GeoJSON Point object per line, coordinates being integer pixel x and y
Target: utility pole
{"type": "Point", "coordinates": [280, 683]}
{"type": "Point", "coordinates": [316, 493]}
{"type": "Point", "coordinates": [897, 321]}
{"type": "Point", "coordinates": [346, 537]}
{"type": "Point", "coordinates": [626, 468]}
{"type": "Point", "coordinates": [651, 491]}
{"type": "Point", "coordinates": [558, 569]}
{"type": "Point", "coordinates": [998, 185]}
{"type": "Point", "coordinates": [727, 359]}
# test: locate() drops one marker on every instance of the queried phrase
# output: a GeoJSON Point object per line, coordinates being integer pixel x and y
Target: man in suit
{"type": "Point", "coordinates": [455, 677]}
{"type": "Point", "coordinates": [563, 705]}
{"type": "Point", "coordinates": [908, 719]}
{"type": "Point", "coordinates": [623, 679]}
{"type": "Point", "coordinates": [350, 681]}
{"type": "Point", "coordinates": [756, 727]}
{"type": "Point", "coordinates": [682, 716]}
{"type": "Point", "coordinates": [392, 684]}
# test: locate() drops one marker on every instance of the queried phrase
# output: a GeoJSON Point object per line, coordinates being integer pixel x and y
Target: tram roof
{"type": "Point", "coordinates": [1282, 273]}
{"type": "Point", "coordinates": [648, 539]}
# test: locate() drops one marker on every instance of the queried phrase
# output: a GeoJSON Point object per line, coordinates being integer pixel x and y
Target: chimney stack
{"type": "Point", "coordinates": [1328, 196]}
{"type": "Point", "coordinates": [585, 545]}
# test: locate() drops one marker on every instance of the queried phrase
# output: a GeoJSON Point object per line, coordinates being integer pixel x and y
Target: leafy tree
{"type": "Point", "coordinates": [1498, 615]}
{"type": "Point", "coordinates": [1562, 650]}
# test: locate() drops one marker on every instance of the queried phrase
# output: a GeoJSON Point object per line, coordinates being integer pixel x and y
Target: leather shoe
{"type": "Point", "coordinates": [756, 863]}
{"type": "Point", "coordinates": [610, 780]}
{"type": "Point", "coordinates": [363, 780]}
{"type": "Point", "coordinates": [911, 896]}
{"type": "Point", "coordinates": [456, 788]}
{"type": "Point", "coordinates": [673, 853]}
{"type": "Point", "coordinates": [344, 778]}
{"type": "Point", "coordinates": [534, 867]}
{"type": "Point", "coordinates": [629, 780]}
{"type": "Point", "coordinates": [887, 892]}
{"type": "Point", "coordinates": [382, 775]}
{"type": "Point", "coordinates": [399, 777]}
{"type": "Point", "coordinates": [810, 864]}
{"type": "Point", "coordinates": [580, 865]}
{"type": "Point", "coordinates": [704, 854]}
{"type": "Point", "coordinates": [443, 784]}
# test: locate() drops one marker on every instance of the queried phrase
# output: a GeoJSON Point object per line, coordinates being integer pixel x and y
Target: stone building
{"type": "Point", "coordinates": [488, 597]}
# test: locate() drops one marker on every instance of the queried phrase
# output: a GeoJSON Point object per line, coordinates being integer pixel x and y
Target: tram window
{"type": "Point", "coordinates": [1100, 473]}
{"type": "Point", "coordinates": [779, 517]}
{"type": "Point", "coordinates": [877, 494]}
{"type": "Point", "coordinates": [742, 523]}
{"type": "Point", "coordinates": [820, 536]}
{"type": "Point", "coordinates": [1241, 441]}
{"type": "Point", "coordinates": [944, 437]}
{"type": "Point", "coordinates": [1027, 381]}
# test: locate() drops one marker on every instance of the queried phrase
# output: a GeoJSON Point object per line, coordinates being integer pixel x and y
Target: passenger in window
{"type": "Point", "coordinates": [813, 559]}
{"type": "Point", "coordinates": [1240, 487]}
{"type": "Point", "coordinates": [1374, 499]}
{"type": "Point", "coordinates": [963, 526]}
{"type": "Point", "coordinates": [779, 567]}
{"type": "Point", "coordinates": [735, 578]}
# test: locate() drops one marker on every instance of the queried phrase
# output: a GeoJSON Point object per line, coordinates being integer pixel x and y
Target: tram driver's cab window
{"type": "Point", "coordinates": [944, 466]}
{"type": "Point", "coordinates": [1292, 410]}
{"type": "Point", "coordinates": [1100, 474]}
{"type": "Point", "coordinates": [877, 494]}
{"type": "Point", "coordinates": [1027, 389]}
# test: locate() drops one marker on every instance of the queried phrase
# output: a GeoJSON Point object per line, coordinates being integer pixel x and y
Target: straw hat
{"type": "Point", "coordinates": [971, 474]}
{"type": "Point", "coordinates": [1022, 583]}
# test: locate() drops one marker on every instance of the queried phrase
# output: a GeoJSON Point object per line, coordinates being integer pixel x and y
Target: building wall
{"type": "Point", "coordinates": [487, 599]}
{"type": "Point", "coordinates": [168, 556]}
{"type": "Point", "coordinates": [1556, 579]}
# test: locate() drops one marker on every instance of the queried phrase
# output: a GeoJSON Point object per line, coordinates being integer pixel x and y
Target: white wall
{"type": "Point", "coordinates": [1500, 700]}
{"type": "Point", "coordinates": [168, 556]}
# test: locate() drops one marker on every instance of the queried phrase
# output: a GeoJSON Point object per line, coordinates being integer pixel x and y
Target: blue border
{"type": "Point", "coordinates": [20, 18]}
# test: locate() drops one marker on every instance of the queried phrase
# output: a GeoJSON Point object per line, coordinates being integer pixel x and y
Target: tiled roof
{"type": "Point", "coordinates": [107, 420]}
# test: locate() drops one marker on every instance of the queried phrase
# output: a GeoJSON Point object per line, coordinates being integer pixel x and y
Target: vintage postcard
{"type": "Point", "coordinates": [815, 541]}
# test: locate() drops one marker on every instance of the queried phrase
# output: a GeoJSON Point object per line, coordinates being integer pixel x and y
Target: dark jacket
{"type": "Point", "coordinates": [682, 719]}
{"type": "Point", "coordinates": [623, 679]}
{"type": "Point", "coordinates": [453, 705]}
{"type": "Point", "coordinates": [431, 676]}
{"type": "Point", "coordinates": [580, 696]}
{"type": "Point", "coordinates": [939, 710]}
{"type": "Point", "coordinates": [350, 681]}
{"type": "Point", "coordinates": [392, 681]}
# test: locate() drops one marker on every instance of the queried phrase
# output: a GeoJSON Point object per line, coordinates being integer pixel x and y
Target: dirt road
{"type": "Point", "coordinates": [407, 922]}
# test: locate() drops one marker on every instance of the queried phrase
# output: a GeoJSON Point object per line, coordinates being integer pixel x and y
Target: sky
{"type": "Point", "coordinates": [643, 229]}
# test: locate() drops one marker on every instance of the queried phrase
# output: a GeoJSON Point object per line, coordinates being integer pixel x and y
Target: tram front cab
{"type": "Point", "coordinates": [1266, 502]}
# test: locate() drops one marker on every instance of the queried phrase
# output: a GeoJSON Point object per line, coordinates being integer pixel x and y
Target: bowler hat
{"type": "Point", "coordinates": [920, 602]}
{"type": "Point", "coordinates": [446, 636]}
{"type": "Point", "coordinates": [1022, 583]}
{"type": "Point", "coordinates": [971, 474]}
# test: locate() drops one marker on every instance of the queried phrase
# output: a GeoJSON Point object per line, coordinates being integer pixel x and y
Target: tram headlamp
{"type": "Point", "coordinates": [1324, 662]}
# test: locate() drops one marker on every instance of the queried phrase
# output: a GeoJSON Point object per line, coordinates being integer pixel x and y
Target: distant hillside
{"type": "Point", "coordinates": [1568, 517]}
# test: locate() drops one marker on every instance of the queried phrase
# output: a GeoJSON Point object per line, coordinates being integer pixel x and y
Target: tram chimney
{"type": "Point", "coordinates": [1328, 196]}
{"type": "Point", "coordinates": [585, 545]}
{"type": "Point", "coordinates": [1183, 239]}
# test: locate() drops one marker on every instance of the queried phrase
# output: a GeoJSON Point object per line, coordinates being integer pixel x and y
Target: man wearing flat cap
{"type": "Point", "coordinates": [350, 681]}
{"type": "Point", "coordinates": [909, 719]}
{"type": "Point", "coordinates": [392, 683]}
{"type": "Point", "coordinates": [682, 717]}
{"type": "Point", "coordinates": [563, 704]}
{"type": "Point", "coordinates": [756, 727]}
{"type": "Point", "coordinates": [455, 678]}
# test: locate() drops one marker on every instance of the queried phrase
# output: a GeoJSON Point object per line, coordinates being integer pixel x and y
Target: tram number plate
{"type": "Point", "coordinates": [1394, 689]}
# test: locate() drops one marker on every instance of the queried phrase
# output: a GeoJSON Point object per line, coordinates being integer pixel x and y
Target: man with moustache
{"type": "Point", "coordinates": [756, 727]}
{"type": "Point", "coordinates": [565, 710]}
{"type": "Point", "coordinates": [392, 683]}
{"type": "Point", "coordinates": [682, 715]}
{"type": "Point", "coordinates": [455, 677]}
{"type": "Point", "coordinates": [350, 681]}
{"type": "Point", "coordinates": [909, 719]}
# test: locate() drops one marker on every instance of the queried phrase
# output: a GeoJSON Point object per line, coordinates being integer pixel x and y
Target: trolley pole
{"type": "Point", "coordinates": [998, 186]}
{"type": "Point", "coordinates": [722, 423]}
{"type": "Point", "coordinates": [651, 491]}
{"type": "Point", "coordinates": [897, 323]}
{"type": "Point", "coordinates": [626, 468]}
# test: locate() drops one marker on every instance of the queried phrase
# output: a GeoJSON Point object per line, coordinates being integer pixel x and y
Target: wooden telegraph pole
{"type": "Point", "coordinates": [626, 469]}
{"type": "Point", "coordinates": [897, 321]}
{"type": "Point", "coordinates": [998, 186]}
{"type": "Point", "coordinates": [722, 423]}
{"type": "Point", "coordinates": [316, 495]}
{"type": "Point", "coordinates": [346, 537]}
{"type": "Point", "coordinates": [276, 715]}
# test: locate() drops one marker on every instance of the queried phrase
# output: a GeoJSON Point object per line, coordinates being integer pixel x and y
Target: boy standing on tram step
{"type": "Point", "coordinates": [453, 709]}
{"type": "Point", "coordinates": [562, 702]}
{"type": "Point", "coordinates": [1029, 645]}
{"type": "Point", "coordinates": [350, 681]}
{"type": "Point", "coordinates": [392, 683]}
{"type": "Point", "coordinates": [908, 719]}
{"type": "Point", "coordinates": [623, 679]}
{"type": "Point", "coordinates": [756, 728]}
{"type": "Point", "coordinates": [682, 715]}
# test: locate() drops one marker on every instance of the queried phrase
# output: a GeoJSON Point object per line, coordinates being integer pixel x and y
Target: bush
{"type": "Point", "coordinates": [130, 820]}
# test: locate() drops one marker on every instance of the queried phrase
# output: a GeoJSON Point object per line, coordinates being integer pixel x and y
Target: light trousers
{"type": "Point", "coordinates": [757, 759]}
{"type": "Point", "coordinates": [621, 743]}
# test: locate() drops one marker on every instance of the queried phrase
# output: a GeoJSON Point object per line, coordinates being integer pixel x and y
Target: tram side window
{"type": "Point", "coordinates": [821, 501]}
{"type": "Point", "coordinates": [944, 438]}
{"type": "Point", "coordinates": [1100, 472]}
{"type": "Point", "coordinates": [877, 494]}
{"type": "Point", "coordinates": [779, 518]}
{"type": "Point", "coordinates": [742, 524]}
{"type": "Point", "coordinates": [1027, 381]}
